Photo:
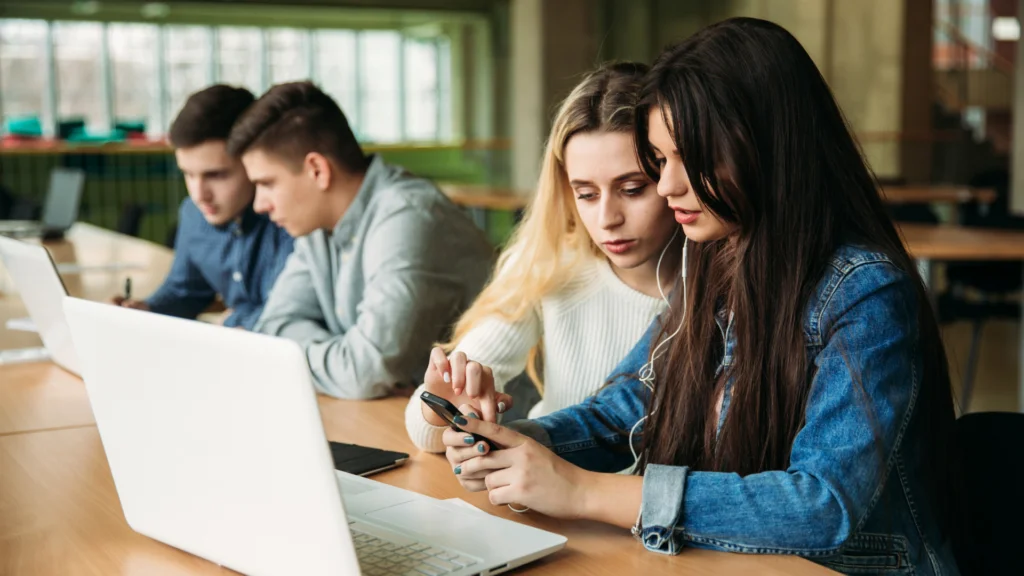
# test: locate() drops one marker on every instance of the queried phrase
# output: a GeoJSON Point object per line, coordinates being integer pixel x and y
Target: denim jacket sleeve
{"type": "Point", "coordinates": [593, 434]}
{"type": "Point", "coordinates": [865, 381]}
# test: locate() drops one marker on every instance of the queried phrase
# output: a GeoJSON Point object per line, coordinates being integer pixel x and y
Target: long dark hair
{"type": "Point", "coordinates": [769, 152]}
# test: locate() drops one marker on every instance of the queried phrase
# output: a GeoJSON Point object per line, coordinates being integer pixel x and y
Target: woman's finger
{"type": "Point", "coordinates": [457, 361]}
{"type": "Point", "coordinates": [504, 402]}
{"type": "Point", "coordinates": [475, 383]}
{"type": "Point", "coordinates": [440, 362]}
{"type": "Point", "coordinates": [473, 485]}
{"type": "Point", "coordinates": [500, 435]}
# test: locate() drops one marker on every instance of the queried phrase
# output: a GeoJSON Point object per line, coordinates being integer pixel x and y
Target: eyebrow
{"type": "Point", "coordinates": [620, 178]}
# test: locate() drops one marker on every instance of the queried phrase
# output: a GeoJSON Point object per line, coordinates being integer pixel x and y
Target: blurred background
{"type": "Point", "coordinates": [463, 91]}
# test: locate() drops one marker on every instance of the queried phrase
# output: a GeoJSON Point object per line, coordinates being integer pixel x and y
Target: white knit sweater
{"type": "Point", "coordinates": [588, 327]}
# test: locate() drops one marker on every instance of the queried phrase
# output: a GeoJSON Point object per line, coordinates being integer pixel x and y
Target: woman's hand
{"type": "Point", "coordinates": [522, 473]}
{"type": "Point", "coordinates": [462, 381]}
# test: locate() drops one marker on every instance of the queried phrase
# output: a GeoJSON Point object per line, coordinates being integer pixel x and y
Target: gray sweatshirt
{"type": "Point", "coordinates": [368, 299]}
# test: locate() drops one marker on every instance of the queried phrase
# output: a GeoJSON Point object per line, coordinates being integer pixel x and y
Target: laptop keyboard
{"type": "Point", "coordinates": [379, 557]}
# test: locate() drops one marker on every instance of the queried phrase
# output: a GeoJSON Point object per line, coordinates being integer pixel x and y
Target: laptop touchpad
{"type": "Point", "coordinates": [429, 519]}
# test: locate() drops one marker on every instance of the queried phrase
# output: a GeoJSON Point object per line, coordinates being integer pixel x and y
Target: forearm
{"type": "Point", "coordinates": [611, 498]}
{"type": "Point", "coordinates": [179, 304]}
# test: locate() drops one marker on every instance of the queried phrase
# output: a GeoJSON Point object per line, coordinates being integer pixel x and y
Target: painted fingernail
{"type": "Point", "coordinates": [460, 420]}
{"type": "Point", "coordinates": [447, 378]}
{"type": "Point", "coordinates": [473, 415]}
{"type": "Point", "coordinates": [469, 439]}
{"type": "Point", "coordinates": [501, 407]}
{"type": "Point", "coordinates": [458, 470]}
{"type": "Point", "coordinates": [481, 447]}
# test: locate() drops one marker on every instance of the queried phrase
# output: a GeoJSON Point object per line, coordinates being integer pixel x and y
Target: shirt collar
{"type": "Point", "coordinates": [375, 172]}
{"type": "Point", "coordinates": [243, 223]}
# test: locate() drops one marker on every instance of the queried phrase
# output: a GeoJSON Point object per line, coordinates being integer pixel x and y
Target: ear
{"type": "Point", "coordinates": [318, 169]}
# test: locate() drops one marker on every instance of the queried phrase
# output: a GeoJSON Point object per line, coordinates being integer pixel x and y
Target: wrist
{"type": "Point", "coordinates": [590, 492]}
{"type": "Point", "coordinates": [611, 498]}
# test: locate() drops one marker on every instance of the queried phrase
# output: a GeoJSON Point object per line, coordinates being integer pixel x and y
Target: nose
{"type": "Point", "coordinates": [205, 191]}
{"type": "Point", "coordinates": [673, 180]}
{"type": "Point", "coordinates": [261, 203]}
{"type": "Point", "coordinates": [610, 211]}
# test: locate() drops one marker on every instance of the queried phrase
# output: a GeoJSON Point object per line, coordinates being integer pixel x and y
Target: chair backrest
{"type": "Point", "coordinates": [992, 445]}
{"type": "Point", "coordinates": [130, 220]}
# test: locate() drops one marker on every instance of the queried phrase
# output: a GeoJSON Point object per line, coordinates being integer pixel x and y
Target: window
{"type": "Point", "coordinates": [188, 56]}
{"type": "Point", "coordinates": [23, 69]}
{"type": "Point", "coordinates": [289, 55]}
{"type": "Point", "coordinates": [379, 75]}
{"type": "Point", "coordinates": [79, 73]}
{"type": "Point", "coordinates": [335, 70]}
{"type": "Point", "coordinates": [240, 57]}
{"type": "Point", "coordinates": [391, 87]}
{"type": "Point", "coordinates": [133, 72]}
{"type": "Point", "coordinates": [421, 90]}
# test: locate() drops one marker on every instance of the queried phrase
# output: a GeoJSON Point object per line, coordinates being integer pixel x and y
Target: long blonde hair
{"type": "Point", "coordinates": [546, 249]}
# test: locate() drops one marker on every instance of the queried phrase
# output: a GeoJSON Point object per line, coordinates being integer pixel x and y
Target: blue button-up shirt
{"type": "Point", "coordinates": [240, 261]}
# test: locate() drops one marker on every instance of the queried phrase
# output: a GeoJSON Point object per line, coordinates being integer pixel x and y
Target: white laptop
{"type": "Point", "coordinates": [216, 447]}
{"type": "Point", "coordinates": [63, 200]}
{"type": "Point", "coordinates": [42, 291]}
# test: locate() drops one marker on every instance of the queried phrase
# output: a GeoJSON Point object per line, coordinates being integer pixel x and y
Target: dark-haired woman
{"type": "Point", "coordinates": [795, 399]}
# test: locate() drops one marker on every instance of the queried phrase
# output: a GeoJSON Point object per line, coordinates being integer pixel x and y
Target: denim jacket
{"type": "Point", "coordinates": [838, 503]}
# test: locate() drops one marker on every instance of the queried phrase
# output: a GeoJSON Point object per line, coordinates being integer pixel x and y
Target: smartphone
{"type": "Point", "coordinates": [447, 411]}
{"type": "Point", "coordinates": [364, 461]}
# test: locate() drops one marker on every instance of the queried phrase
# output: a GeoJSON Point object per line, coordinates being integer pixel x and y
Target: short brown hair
{"type": "Point", "coordinates": [209, 115]}
{"type": "Point", "coordinates": [294, 119]}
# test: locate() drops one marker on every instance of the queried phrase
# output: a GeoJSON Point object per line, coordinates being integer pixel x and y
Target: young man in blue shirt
{"type": "Point", "coordinates": [223, 246]}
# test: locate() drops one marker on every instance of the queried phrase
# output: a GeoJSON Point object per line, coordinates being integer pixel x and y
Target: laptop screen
{"type": "Point", "coordinates": [63, 198]}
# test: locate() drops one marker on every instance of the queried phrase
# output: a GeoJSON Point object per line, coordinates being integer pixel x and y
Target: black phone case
{"type": "Point", "coordinates": [447, 411]}
{"type": "Point", "coordinates": [363, 461]}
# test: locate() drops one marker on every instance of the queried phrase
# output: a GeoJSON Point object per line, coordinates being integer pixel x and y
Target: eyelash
{"type": "Point", "coordinates": [631, 192]}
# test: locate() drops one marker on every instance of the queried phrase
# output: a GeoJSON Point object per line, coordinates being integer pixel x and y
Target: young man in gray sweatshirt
{"type": "Point", "coordinates": [383, 264]}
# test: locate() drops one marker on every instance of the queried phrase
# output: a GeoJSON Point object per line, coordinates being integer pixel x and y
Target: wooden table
{"type": "Point", "coordinates": [478, 199]}
{"type": "Point", "coordinates": [937, 195]}
{"type": "Point", "coordinates": [929, 243]}
{"type": "Point", "coordinates": [485, 197]}
{"type": "Point", "coordinates": [61, 515]}
{"type": "Point", "coordinates": [42, 396]}
{"type": "Point", "coordinates": [59, 512]}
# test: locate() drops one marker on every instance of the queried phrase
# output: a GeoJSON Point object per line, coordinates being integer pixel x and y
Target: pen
{"type": "Point", "coordinates": [128, 288]}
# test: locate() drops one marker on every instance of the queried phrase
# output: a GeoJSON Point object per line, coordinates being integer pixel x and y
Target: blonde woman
{"type": "Point", "coordinates": [580, 273]}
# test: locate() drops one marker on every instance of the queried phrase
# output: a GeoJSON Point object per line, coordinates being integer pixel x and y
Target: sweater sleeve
{"type": "Point", "coordinates": [498, 344]}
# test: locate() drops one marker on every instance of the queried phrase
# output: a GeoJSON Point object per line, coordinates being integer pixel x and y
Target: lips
{"type": "Point", "coordinates": [685, 217]}
{"type": "Point", "coordinates": [619, 246]}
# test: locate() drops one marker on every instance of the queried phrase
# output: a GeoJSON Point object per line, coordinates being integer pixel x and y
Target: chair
{"type": "Point", "coordinates": [130, 220]}
{"type": "Point", "coordinates": [992, 493]}
{"type": "Point", "coordinates": [996, 281]}
{"type": "Point", "coordinates": [172, 236]}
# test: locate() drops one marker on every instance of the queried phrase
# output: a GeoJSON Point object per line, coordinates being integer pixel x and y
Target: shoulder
{"type": "Point", "coordinates": [398, 189]}
{"type": "Point", "coordinates": [867, 279]}
{"type": "Point", "coordinates": [191, 224]}
{"type": "Point", "coordinates": [189, 214]}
